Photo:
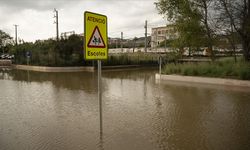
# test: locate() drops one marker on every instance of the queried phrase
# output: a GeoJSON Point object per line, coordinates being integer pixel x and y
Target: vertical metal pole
{"type": "Point", "coordinates": [165, 40]}
{"type": "Point", "coordinates": [56, 22]}
{"type": "Point", "coordinates": [28, 75]}
{"type": "Point", "coordinates": [160, 65]}
{"type": "Point", "coordinates": [15, 33]}
{"type": "Point", "coordinates": [57, 29]}
{"type": "Point", "coordinates": [122, 41]}
{"type": "Point", "coordinates": [27, 60]}
{"type": "Point", "coordinates": [100, 92]}
{"type": "Point", "coordinates": [146, 26]}
{"type": "Point", "coordinates": [156, 39]}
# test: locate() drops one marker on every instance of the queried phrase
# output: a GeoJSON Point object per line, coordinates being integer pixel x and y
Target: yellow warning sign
{"type": "Point", "coordinates": [96, 39]}
{"type": "Point", "coordinates": [95, 35]}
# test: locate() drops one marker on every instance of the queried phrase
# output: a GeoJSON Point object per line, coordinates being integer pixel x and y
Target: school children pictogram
{"type": "Point", "coordinates": [96, 40]}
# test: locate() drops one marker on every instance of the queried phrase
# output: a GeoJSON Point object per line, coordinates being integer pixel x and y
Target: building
{"type": "Point", "coordinates": [161, 34]}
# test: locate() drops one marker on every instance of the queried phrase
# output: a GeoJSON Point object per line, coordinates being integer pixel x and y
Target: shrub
{"type": "Point", "coordinates": [224, 68]}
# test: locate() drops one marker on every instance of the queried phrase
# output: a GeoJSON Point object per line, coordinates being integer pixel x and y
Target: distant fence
{"type": "Point", "coordinates": [201, 52]}
{"type": "Point", "coordinates": [138, 49]}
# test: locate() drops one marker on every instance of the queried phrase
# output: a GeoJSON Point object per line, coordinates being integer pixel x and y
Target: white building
{"type": "Point", "coordinates": [160, 34]}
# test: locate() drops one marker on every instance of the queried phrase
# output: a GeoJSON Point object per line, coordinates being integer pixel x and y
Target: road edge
{"type": "Point", "coordinates": [203, 80]}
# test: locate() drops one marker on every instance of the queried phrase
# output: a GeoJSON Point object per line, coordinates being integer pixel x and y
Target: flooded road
{"type": "Point", "coordinates": [49, 111]}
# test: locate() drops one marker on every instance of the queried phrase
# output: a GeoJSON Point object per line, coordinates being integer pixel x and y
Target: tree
{"type": "Point", "coordinates": [5, 40]}
{"type": "Point", "coordinates": [191, 32]}
{"type": "Point", "coordinates": [205, 8]}
{"type": "Point", "coordinates": [236, 13]}
{"type": "Point", "coordinates": [191, 18]}
{"type": "Point", "coordinates": [217, 17]}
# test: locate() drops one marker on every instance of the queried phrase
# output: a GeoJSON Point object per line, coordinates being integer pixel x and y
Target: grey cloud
{"type": "Point", "coordinates": [50, 4]}
{"type": "Point", "coordinates": [126, 16]}
{"type": "Point", "coordinates": [34, 4]}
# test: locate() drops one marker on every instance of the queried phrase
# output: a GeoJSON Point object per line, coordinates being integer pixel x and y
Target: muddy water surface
{"type": "Point", "coordinates": [51, 111]}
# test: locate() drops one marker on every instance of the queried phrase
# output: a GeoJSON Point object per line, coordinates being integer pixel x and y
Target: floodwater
{"type": "Point", "coordinates": [60, 111]}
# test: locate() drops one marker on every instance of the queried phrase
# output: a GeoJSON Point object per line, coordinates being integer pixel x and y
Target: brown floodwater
{"type": "Point", "coordinates": [60, 111]}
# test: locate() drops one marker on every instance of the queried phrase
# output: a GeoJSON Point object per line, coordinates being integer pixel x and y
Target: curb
{"type": "Point", "coordinates": [202, 80]}
{"type": "Point", "coordinates": [54, 69]}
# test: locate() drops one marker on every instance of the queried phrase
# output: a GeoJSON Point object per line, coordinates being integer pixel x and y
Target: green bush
{"type": "Point", "coordinates": [225, 68]}
{"type": "Point", "coordinates": [65, 52]}
{"type": "Point", "coordinates": [132, 59]}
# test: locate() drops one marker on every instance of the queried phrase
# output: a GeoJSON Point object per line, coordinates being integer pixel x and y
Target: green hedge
{"type": "Point", "coordinates": [225, 68]}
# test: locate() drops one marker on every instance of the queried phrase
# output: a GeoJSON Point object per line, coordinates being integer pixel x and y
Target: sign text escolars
{"type": "Point", "coordinates": [95, 35]}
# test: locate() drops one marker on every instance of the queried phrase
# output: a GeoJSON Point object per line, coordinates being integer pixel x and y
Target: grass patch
{"type": "Point", "coordinates": [132, 59]}
{"type": "Point", "coordinates": [224, 68]}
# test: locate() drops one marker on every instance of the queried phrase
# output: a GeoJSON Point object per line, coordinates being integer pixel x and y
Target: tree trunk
{"type": "Point", "coordinates": [245, 27]}
{"type": "Point", "coordinates": [246, 49]}
{"type": "Point", "coordinates": [208, 30]}
{"type": "Point", "coordinates": [246, 37]}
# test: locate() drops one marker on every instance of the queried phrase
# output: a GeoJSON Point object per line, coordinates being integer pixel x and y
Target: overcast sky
{"type": "Point", "coordinates": [35, 17]}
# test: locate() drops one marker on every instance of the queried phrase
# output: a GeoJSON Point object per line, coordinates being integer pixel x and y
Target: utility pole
{"type": "Point", "coordinates": [134, 44]}
{"type": "Point", "coordinates": [16, 32]}
{"type": "Point", "coordinates": [122, 41]}
{"type": "Point", "coordinates": [56, 22]}
{"type": "Point", "coordinates": [116, 43]}
{"type": "Point", "coordinates": [156, 39]}
{"type": "Point", "coordinates": [165, 45]}
{"type": "Point", "coordinates": [146, 26]}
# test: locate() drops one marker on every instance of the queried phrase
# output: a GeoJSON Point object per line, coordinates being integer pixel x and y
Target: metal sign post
{"type": "Point", "coordinates": [95, 47]}
{"type": "Point", "coordinates": [28, 55]}
{"type": "Point", "coordinates": [160, 61]}
{"type": "Point", "coordinates": [100, 92]}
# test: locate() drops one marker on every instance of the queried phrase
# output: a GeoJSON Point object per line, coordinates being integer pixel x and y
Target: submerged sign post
{"type": "Point", "coordinates": [95, 46]}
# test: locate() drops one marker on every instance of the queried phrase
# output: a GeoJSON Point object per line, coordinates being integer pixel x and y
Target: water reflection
{"type": "Point", "coordinates": [70, 81]}
{"type": "Point", "coordinates": [60, 111]}
{"type": "Point", "coordinates": [205, 114]}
